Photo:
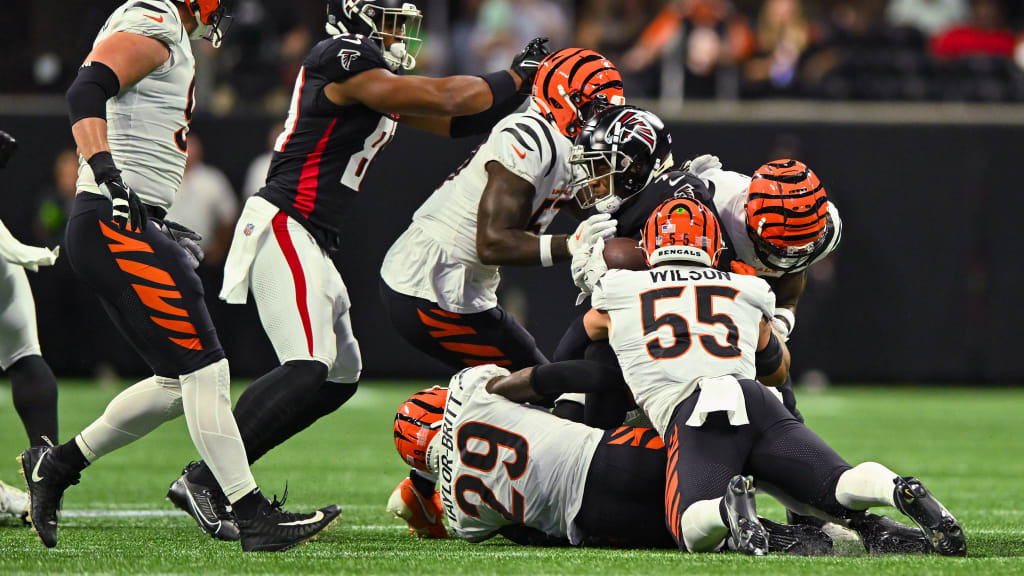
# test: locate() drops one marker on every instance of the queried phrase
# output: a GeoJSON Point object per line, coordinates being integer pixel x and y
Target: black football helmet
{"type": "Point", "coordinates": [395, 25]}
{"type": "Point", "coordinates": [625, 142]}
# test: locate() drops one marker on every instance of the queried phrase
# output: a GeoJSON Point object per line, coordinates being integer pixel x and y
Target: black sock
{"type": "Point", "coordinates": [425, 486]}
{"type": "Point", "coordinates": [202, 475]}
{"type": "Point", "coordinates": [34, 390]}
{"type": "Point", "coordinates": [69, 453]}
{"type": "Point", "coordinates": [245, 508]}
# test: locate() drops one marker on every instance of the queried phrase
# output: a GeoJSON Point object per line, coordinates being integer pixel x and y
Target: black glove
{"type": "Point", "coordinates": [187, 239]}
{"type": "Point", "coordinates": [129, 211]}
{"type": "Point", "coordinates": [525, 63]}
{"type": "Point", "coordinates": [7, 147]}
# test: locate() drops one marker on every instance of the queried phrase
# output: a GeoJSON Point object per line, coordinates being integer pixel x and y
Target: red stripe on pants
{"type": "Point", "coordinates": [284, 240]}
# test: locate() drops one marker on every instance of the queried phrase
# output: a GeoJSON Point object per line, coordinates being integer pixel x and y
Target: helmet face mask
{"type": "Point", "coordinates": [212, 20]}
{"type": "Point", "coordinates": [396, 28]}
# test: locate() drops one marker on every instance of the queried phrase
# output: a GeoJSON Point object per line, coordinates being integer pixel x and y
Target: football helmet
{"type": "Point", "coordinates": [394, 25]}
{"type": "Point", "coordinates": [417, 422]}
{"type": "Point", "coordinates": [682, 229]}
{"type": "Point", "coordinates": [212, 19]}
{"type": "Point", "coordinates": [574, 84]}
{"type": "Point", "coordinates": [787, 214]}
{"type": "Point", "coordinates": [617, 154]}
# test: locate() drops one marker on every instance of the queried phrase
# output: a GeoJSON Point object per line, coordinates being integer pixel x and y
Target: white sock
{"type": "Point", "coordinates": [865, 485]}
{"type": "Point", "coordinates": [132, 414]}
{"type": "Point", "coordinates": [206, 396]}
{"type": "Point", "coordinates": [702, 526]}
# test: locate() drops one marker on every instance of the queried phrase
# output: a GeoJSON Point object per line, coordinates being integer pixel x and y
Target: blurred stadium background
{"type": "Point", "coordinates": [910, 111]}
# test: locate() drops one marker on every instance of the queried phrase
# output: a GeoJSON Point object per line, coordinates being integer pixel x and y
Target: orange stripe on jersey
{"type": "Point", "coordinates": [481, 362]}
{"type": "Point", "coordinates": [154, 298]}
{"type": "Point", "coordinates": [183, 326]}
{"type": "Point", "coordinates": [446, 329]}
{"type": "Point", "coordinates": [473, 349]}
{"type": "Point", "coordinates": [627, 434]}
{"type": "Point", "coordinates": [123, 243]}
{"type": "Point", "coordinates": [145, 271]}
{"type": "Point", "coordinates": [190, 343]}
{"type": "Point", "coordinates": [445, 313]}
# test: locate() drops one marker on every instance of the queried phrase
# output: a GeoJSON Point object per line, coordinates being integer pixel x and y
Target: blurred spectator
{"type": "Point", "coordinates": [256, 173]}
{"type": "Point", "coordinates": [56, 200]}
{"type": "Point", "coordinates": [782, 35]}
{"type": "Point", "coordinates": [465, 15]}
{"type": "Point", "coordinates": [505, 26]}
{"type": "Point", "coordinates": [928, 16]}
{"type": "Point", "coordinates": [611, 27]}
{"type": "Point", "coordinates": [207, 204]}
{"type": "Point", "coordinates": [986, 34]}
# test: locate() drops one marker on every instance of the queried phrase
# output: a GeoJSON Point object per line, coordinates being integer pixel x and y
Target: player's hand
{"type": "Point", "coordinates": [187, 239]}
{"type": "Point", "coordinates": [525, 63]}
{"type": "Point", "coordinates": [783, 322]}
{"type": "Point", "coordinates": [423, 515]}
{"type": "Point", "coordinates": [7, 147]}
{"type": "Point", "coordinates": [129, 212]}
{"type": "Point", "coordinates": [701, 164]}
{"type": "Point", "coordinates": [592, 269]}
{"type": "Point", "coordinates": [597, 226]}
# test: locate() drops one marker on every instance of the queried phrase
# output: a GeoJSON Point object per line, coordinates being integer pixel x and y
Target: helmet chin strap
{"type": "Point", "coordinates": [398, 56]}
{"type": "Point", "coordinates": [608, 204]}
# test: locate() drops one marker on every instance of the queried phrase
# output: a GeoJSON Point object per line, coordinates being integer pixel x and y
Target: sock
{"type": "Point", "coordinates": [424, 482]}
{"type": "Point", "coordinates": [245, 508]}
{"type": "Point", "coordinates": [34, 391]}
{"type": "Point", "coordinates": [703, 525]}
{"type": "Point", "coordinates": [865, 485]}
{"type": "Point", "coordinates": [206, 401]}
{"type": "Point", "coordinates": [71, 454]}
{"type": "Point", "coordinates": [202, 475]}
{"type": "Point", "coordinates": [132, 414]}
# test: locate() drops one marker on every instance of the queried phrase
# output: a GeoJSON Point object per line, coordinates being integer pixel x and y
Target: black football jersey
{"type": "Point", "coordinates": [634, 212]}
{"type": "Point", "coordinates": [325, 150]}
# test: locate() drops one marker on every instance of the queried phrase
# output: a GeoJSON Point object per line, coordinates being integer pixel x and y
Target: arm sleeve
{"type": "Point", "coordinates": [583, 376]}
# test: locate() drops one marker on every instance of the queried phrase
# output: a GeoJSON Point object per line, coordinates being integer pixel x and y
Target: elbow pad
{"type": "Point", "coordinates": [767, 361]}
{"type": "Point", "coordinates": [87, 97]}
{"type": "Point", "coordinates": [504, 102]}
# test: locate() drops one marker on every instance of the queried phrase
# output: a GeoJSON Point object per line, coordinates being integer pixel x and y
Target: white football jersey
{"type": "Point", "coordinates": [502, 463]}
{"type": "Point", "coordinates": [676, 324]}
{"type": "Point", "coordinates": [436, 257]}
{"type": "Point", "coordinates": [147, 123]}
{"type": "Point", "coordinates": [730, 196]}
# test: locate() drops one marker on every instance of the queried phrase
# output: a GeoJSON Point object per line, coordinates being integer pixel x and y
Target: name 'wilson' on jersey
{"type": "Point", "coordinates": [325, 150]}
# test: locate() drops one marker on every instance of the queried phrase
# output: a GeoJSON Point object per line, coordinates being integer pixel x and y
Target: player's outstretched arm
{"type": "Point", "coordinates": [388, 93]}
{"type": "Point", "coordinates": [772, 358]}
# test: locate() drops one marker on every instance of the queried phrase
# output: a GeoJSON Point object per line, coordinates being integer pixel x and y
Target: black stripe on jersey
{"type": "Point", "coordinates": [148, 6]}
{"type": "Point", "coordinates": [551, 142]}
{"type": "Point", "coordinates": [529, 132]}
{"type": "Point", "coordinates": [519, 138]}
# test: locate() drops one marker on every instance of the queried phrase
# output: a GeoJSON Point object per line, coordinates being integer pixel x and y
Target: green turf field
{"type": "Point", "coordinates": [967, 445]}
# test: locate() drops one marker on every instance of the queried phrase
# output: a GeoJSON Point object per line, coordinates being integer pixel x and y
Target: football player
{"type": "Point", "coordinates": [33, 386]}
{"type": "Point", "coordinates": [350, 93]}
{"type": "Point", "coordinates": [687, 336]}
{"type": "Point", "coordinates": [514, 469]}
{"type": "Point", "coordinates": [130, 107]}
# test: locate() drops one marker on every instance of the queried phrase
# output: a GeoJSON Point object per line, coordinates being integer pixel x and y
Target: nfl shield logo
{"type": "Point", "coordinates": [248, 229]}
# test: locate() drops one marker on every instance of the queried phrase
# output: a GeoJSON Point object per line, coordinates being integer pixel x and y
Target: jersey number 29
{"type": "Point", "coordinates": [485, 462]}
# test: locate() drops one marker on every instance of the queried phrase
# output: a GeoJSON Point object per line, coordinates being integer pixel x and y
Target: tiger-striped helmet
{"type": "Point", "coordinates": [787, 214]}
{"type": "Point", "coordinates": [574, 84]}
{"type": "Point", "coordinates": [682, 229]}
{"type": "Point", "coordinates": [417, 421]}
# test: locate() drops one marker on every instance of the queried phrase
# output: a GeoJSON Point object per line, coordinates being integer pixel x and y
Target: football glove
{"type": "Point", "coordinates": [7, 147]}
{"type": "Point", "coordinates": [129, 212]}
{"type": "Point", "coordinates": [590, 270]}
{"type": "Point", "coordinates": [783, 323]}
{"type": "Point", "coordinates": [525, 63]}
{"type": "Point", "coordinates": [701, 164]}
{"type": "Point", "coordinates": [423, 515]}
{"type": "Point", "coordinates": [187, 239]}
{"type": "Point", "coordinates": [597, 226]}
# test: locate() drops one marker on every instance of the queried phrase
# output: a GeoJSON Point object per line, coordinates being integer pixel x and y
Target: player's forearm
{"type": "Point", "coordinates": [91, 136]}
{"type": "Point", "coordinates": [512, 247]}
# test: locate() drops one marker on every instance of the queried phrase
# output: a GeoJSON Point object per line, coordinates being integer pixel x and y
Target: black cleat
{"type": "Point", "coordinates": [938, 525]}
{"type": "Point", "coordinates": [799, 539]}
{"type": "Point", "coordinates": [747, 533]}
{"type": "Point", "coordinates": [47, 478]}
{"type": "Point", "coordinates": [275, 530]}
{"type": "Point", "coordinates": [883, 535]}
{"type": "Point", "coordinates": [206, 504]}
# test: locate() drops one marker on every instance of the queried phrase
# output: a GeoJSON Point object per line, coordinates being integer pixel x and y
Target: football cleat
{"type": "Point", "coordinates": [883, 535]}
{"type": "Point", "coordinates": [799, 539]}
{"type": "Point", "coordinates": [747, 532]}
{"type": "Point", "coordinates": [47, 478]}
{"type": "Point", "coordinates": [13, 501]}
{"type": "Point", "coordinates": [273, 529]}
{"type": "Point", "coordinates": [938, 525]}
{"type": "Point", "coordinates": [423, 515]}
{"type": "Point", "coordinates": [206, 504]}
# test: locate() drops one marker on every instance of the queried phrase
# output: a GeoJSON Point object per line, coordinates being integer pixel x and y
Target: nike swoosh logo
{"type": "Point", "coordinates": [316, 518]}
{"type": "Point", "coordinates": [154, 18]}
{"type": "Point", "coordinates": [355, 41]}
{"type": "Point", "coordinates": [521, 154]}
{"type": "Point", "coordinates": [431, 518]}
{"type": "Point", "coordinates": [675, 181]}
{"type": "Point", "coordinates": [35, 471]}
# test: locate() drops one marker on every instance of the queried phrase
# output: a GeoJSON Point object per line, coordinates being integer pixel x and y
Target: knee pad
{"type": "Point", "coordinates": [348, 364]}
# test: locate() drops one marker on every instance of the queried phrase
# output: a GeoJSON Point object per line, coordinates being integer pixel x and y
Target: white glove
{"type": "Point", "coordinates": [701, 164]}
{"type": "Point", "coordinates": [590, 271]}
{"type": "Point", "coordinates": [597, 226]}
{"type": "Point", "coordinates": [783, 323]}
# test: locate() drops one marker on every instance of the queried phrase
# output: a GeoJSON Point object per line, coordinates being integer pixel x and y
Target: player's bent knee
{"type": "Point", "coordinates": [313, 371]}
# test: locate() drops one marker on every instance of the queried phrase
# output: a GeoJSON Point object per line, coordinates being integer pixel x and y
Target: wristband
{"type": "Point", "coordinates": [545, 250]}
{"type": "Point", "coordinates": [786, 315]}
{"type": "Point", "coordinates": [502, 86]}
{"type": "Point", "coordinates": [767, 361]}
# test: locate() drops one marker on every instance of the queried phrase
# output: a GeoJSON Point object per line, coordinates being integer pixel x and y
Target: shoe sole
{"type": "Point", "coordinates": [28, 515]}
{"type": "Point", "coordinates": [191, 508]}
{"type": "Point", "coordinates": [756, 544]}
{"type": "Point", "coordinates": [312, 538]}
{"type": "Point", "coordinates": [944, 533]}
{"type": "Point", "coordinates": [797, 539]}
